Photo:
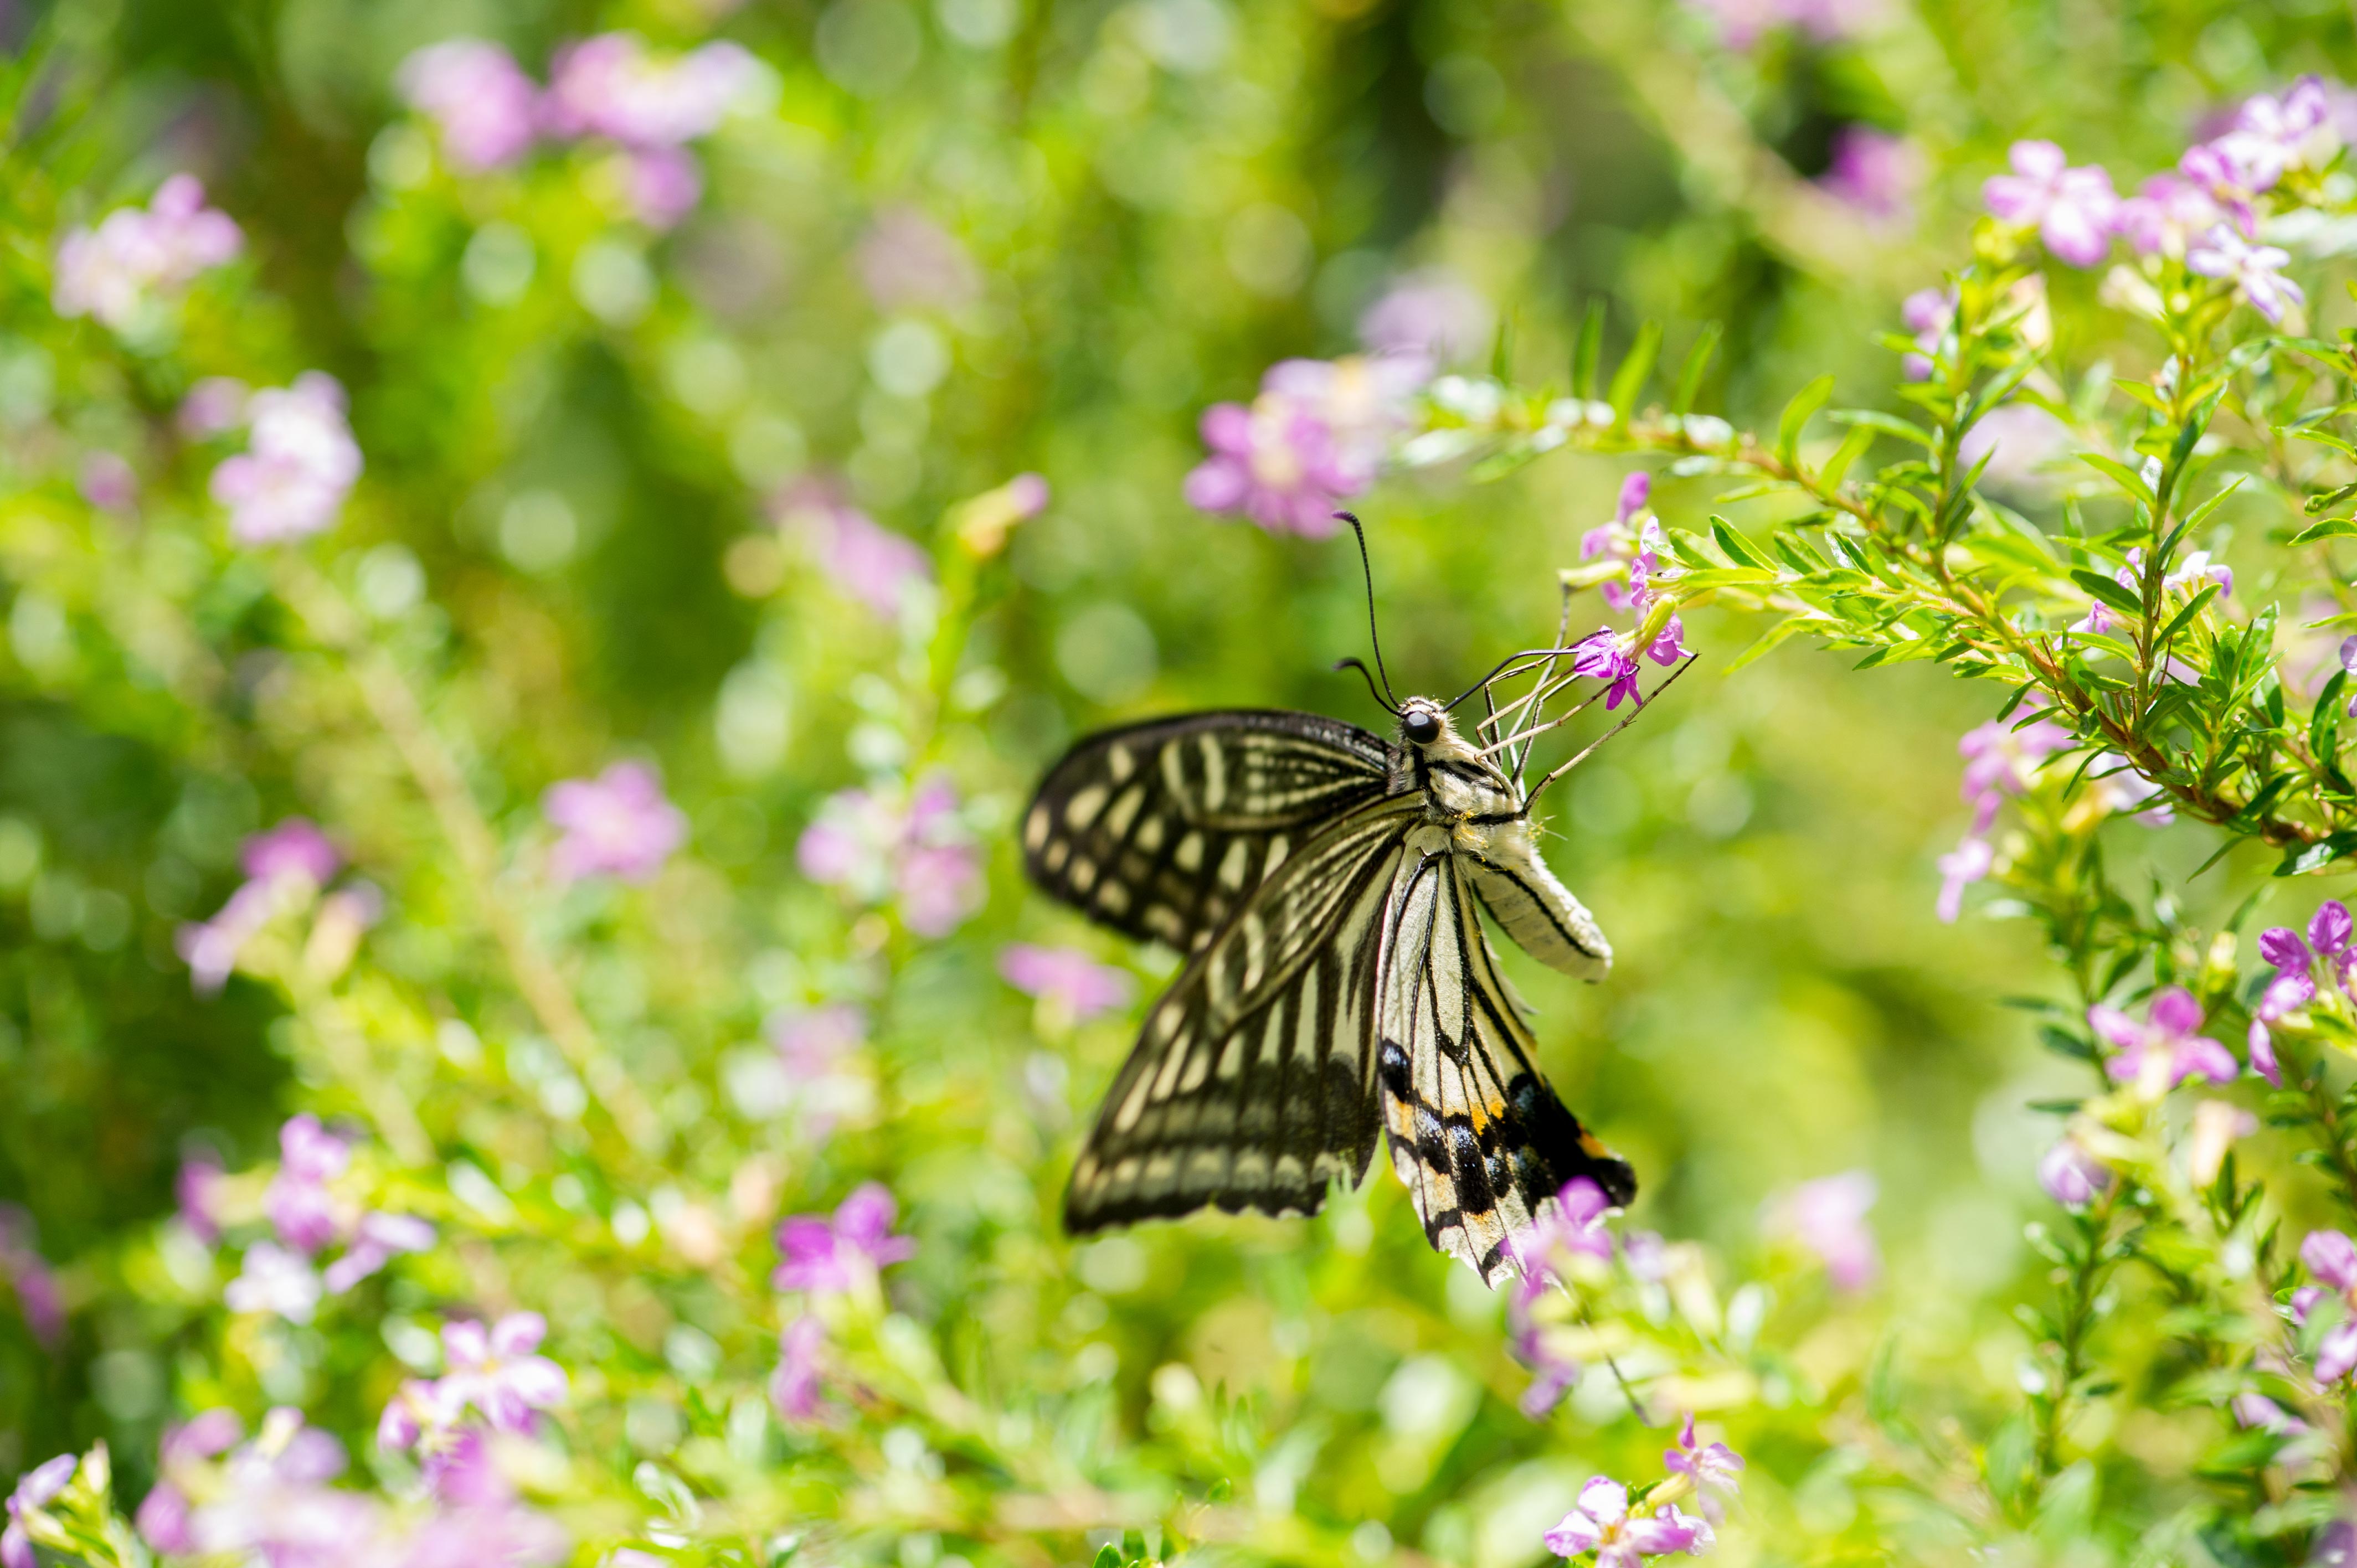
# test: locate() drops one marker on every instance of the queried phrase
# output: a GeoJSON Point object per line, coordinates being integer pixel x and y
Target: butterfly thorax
{"type": "Point", "coordinates": [1463, 790]}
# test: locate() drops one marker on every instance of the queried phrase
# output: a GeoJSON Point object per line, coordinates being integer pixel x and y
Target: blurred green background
{"type": "Point", "coordinates": [563, 528]}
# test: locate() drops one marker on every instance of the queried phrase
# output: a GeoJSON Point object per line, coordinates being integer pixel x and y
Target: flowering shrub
{"type": "Point", "coordinates": [536, 575]}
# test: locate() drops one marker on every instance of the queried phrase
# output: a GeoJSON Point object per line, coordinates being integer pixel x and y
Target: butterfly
{"type": "Point", "coordinates": [1325, 886]}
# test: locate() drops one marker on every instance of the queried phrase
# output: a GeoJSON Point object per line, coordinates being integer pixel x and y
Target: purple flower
{"type": "Point", "coordinates": [1742, 22]}
{"type": "Point", "coordinates": [1603, 655]}
{"type": "Point", "coordinates": [28, 1273]}
{"type": "Point", "coordinates": [917, 856]}
{"type": "Point", "coordinates": [109, 483]}
{"type": "Point", "coordinates": [616, 824]}
{"type": "Point", "coordinates": [486, 108]}
{"type": "Point", "coordinates": [2166, 214]}
{"type": "Point", "coordinates": [810, 1043]}
{"type": "Point", "coordinates": [908, 261]}
{"type": "Point", "coordinates": [275, 1505]}
{"type": "Point", "coordinates": [2163, 1052]}
{"type": "Point", "coordinates": [2217, 1124]}
{"type": "Point", "coordinates": [2001, 759]}
{"type": "Point", "coordinates": [867, 562]}
{"type": "Point", "coordinates": [1874, 172]}
{"type": "Point", "coordinates": [163, 1518]}
{"type": "Point", "coordinates": [2021, 442]}
{"type": "Point", "coordinates": [610, 86]}
{"type": "Point", "coordinates": [419, 1413]}
{"type": "Point", "coordinates": [275, 1280]}
{"type": "Point", "coordinates": [2071, 1176]}
{"type": "Point", "coordinates": [1601, 1523]}
{"type": "Point", "coordinates": [1434, 315]}
{"type": "Point", "coordinates": [2127, 792]}
{"type": "Point", "coordinates": [1573, 1226]}
{"type": "Point", "coordinates": [2331, 1259]}
{"type": "Point", "coordinates": [296, 847]}
{"type": "Point", "coordinates": [112, 272]}
{"type": "Point", "coordinates": [299, 463]}
{"type": "Point", "coordinates": [1717, 1471]}
{"type": "Point", "coordinates": [36, 1488]}
{"type": "Point", "coordinates": [1066, 978]}
{"type": "Point", "coordinates": [2273, 134]}
{"type": "Point", "coordinates": [1828, 1217]}
{"type": "Point", "coordinates": [2260, 1045]}
{"type": "Point", "coordinates": [1314, 437]}
{"type": "Point", "coordinates": [197, 1191]}
{"type": "Point", "coordinates": [1927, 313]}
{"type": "Point", "coordinates": [378, 1240]}
{"type": "Point", "coordinates": [497, 1371]}
{"type": "Point", "coordinates": [214, 406]}
{"type": "Point", "coordinates": [2257, 271]}
{"type": "Point", "coordinates": [794, 1387]}
{"type": "Point", "coordinates": [662, 184]}
{"type": "Point", "coordinates": [210, 947]}
{"type": "Point", "coordinates": [2071, 209]}
{"type": "Point", "coordinates": [832, 1257]}
{"type": "Point", "coordinates": [298, 1201]}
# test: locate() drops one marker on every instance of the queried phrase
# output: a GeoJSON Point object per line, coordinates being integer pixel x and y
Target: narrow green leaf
{"type": "Point", "coordinates": [1798, 413]}
{"type": "Point", "coordinates": [2324, 438]}
{"type": "Point", "coordinates": [1629, 381]}
{"type": "Point", "coordinates": [2127, 477]}
{"type": "Point", "coordinates": [2330, 527]}
{"type": "Point", "coordinates": [1852, 449]}
{"type": "Point", "coordinates": [2301, 859]}
{"type": "Point", "coordinates": [2110, 592]}
{"type": "Point", "coordinates": [1767, 644]}
{"type": "Point", "coordinates": [2199, 514]}
{"type": "Point", "coordinates": [1589, 351]}
{"type": "Point", "coordinates": [1889, 423]}
{"type": "Point", "coordinates": [2177, 622]}
{"type": "Point", "coordinates": [2323, 726]}
{"type": "Point", "coordinates": [1737, 546]}
{"type": "Point", "coordinates": [1698, 361]}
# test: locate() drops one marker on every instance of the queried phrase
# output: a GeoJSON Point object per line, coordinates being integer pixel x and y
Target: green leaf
{"type": "Point", "coordinates": [2323, 726]}
{"type": "Point", "coordinates": [1698, 361]}
{"type": "Point", "coordinates": [2128, 478]}
{"type": "Point", "coordinates": [1767, 644]}
{"type": "Point", "coordinates": [1589, 351]}
{"type": "Point", "coordinates": [2301, 859]}
{"type": "Point", "coordinates": [2109, 591]}
{"type": "Point", "coordinates": [1108, 1556]}
{"type": "Point", "coordinates": [2330, 527]}
{"type": "Point", "coordinates": [2177, 622]}
{"type": "Point", "coordinates": [1798, 413]}
{"type": "Point", "coordinates": [1889, 423]}
{"type": "Point", "coordinates": [1737, 546]}
{"type": "Point", "coordinates": [1629, 381]}
{"type": "Point", "coordinates": [1852, 449]}
{"type": "Point", "coordinates": [2324, 438]}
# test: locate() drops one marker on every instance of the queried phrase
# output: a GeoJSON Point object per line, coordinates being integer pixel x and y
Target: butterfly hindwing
{"type": "Point", "coordinates": [1162, 829]}
{"type": "Point", "coordinates": [1250, 1085]}
{"type": "Point", "coordinates": [1480, 1140]}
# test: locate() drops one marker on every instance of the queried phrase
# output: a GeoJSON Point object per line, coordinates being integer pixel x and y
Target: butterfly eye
{"type": "Point", "coordinates": [1421, 726]}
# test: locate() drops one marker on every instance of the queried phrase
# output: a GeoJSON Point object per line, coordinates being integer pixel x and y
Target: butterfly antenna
{"type": "Point", "coordinates": [1634, 713]}
{"type": "Point", "coordinates": [1367, 570]}
{"type": "Point", "coordinates": [1361, 666]}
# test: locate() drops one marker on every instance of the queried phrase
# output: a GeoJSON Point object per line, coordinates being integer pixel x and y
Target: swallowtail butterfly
{"type": "Point", "coordinates": [1322, 883]}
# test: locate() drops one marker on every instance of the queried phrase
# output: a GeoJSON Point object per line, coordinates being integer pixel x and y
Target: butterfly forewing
{"type": "Point", "coordinates": [1251, 1086]}
{"type": "Point", "coordinates": [1480, 1140]}
{"type": "Point", "coordinates": [1163, 828]}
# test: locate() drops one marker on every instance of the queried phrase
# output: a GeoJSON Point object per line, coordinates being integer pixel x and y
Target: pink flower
{"type": "Point", "coordinates": [113, 272]}
{"type": "Point", "coordinates": [810, 1043]}
{"type": "Point", "coordinates": [2071, 1176]}
{"type": "Point", "coordinates": [1874, 172]}
{"type": "Point", "coordinates": [2166, 214]}
{"type": "Point", "coordinates": [28, 1273]}
{"type": "Point", "coordinates": [1603, 655]}
{"type": "Point", "coordinates": [2071, 209]}
{"type": "Point", "coordinates": [299, 463]}
{"type": "Point", "coordinates": [296, 847]}
{"type": "Point", "coordinates": [794, 1386]}
{"type": "Point", "coordinates": [485, 107]}
{"type": "Point", "coordinates": [300, 1208]}
{"type": "Point", "coordinates": [867, 562]}
{"type": "Point", "coordinates": [35, 1488]}
{"type": "Point", "coordinates": [419, 1412]}
{"type": "Point", "coordinates": [196, 1192]}
{"type": "Point", "coordinates": [1066, 977]}
{"type": "Point", "coordinates": [2002, 758]}
{"type": "Point", "coordinates": [1315, 436]}
{"type": "Point", "coordinates": [496, 1370]}
{"type": "Point", "coordinates": [616, 824]}
{"type": "Point", "coordinates": [1716, 1470]}
{"type": "Point", "coordinates": [831, 1257]}
{"type": "Point", "coordinates": [2022, 441]}
{"type": "Point", "coordinates": [1603, 1524]}
{"type": "Point", "coordinates": [2164, 1051]}
{"type": "Point", "coordinates": [1434, 315]}
{"type": "Point", "coordinates": [276, 1281]}
{"type": "Point", "coordinates": [663, 184]}
{"type": "Point", "coordinates": [917, 856]}
{"type": "Point", "coordinates": [1828, 1217]}
{"type": "Point", "coordinates": [379, 1239]}
{"type": "Point", "coordinates": [109, 483]}
{"type": "Point", "coordinates": [908, 261]}
{"type": "Point", "coordinates": [214, 406]}
{"type": "Point", "coordinates": [273, 1504]}
{"type": "Point", "coordinates": [2257, 271]}
{"type": "Point", "coordinates": [2332, 1258]}
{"type": "Point", "coordinates": [611, 86]}
{"type": "Point", "coordinates": [1927, 313]}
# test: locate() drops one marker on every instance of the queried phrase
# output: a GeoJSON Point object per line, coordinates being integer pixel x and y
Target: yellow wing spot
{"type": "Point", "coordinates": [1082, 808]}
{"type": "Point", "coordinates": [1084, 873]}
{"type": "Point", "coordinates": [1121, 762]}
{"type": "Point", "coordinates": [1124, 811]}
{"type": "Point", "coordinates": [1188, 855]}
{"type": "Point", "coordinates": [1149, 834]}
{"type": "Point", "coordinates": [1035, 829]}
{"type": "Point", "coordinates": [1233, 863]}
{"type": "Point", "coordinates": [1113, 897]}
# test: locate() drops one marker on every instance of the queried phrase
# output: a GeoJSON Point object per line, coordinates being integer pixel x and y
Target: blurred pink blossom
{"type": "Point", "coordinates": [214, 405]}
{"type": "Point", "coordinates": [35, 1488]}
{"type": "Point", "coordinates": [663, 183]}
{"type": "Point", "coordinates": [1316, 435]}
{"type": "Point", "coordinates": [2072, 209]}
{"type": "Point", "coordinates": [276, 1281]}
{"type": "Point", "coordinates": [302, 1210]}
{"type": "Point", "coordinates": [486, 108]}
{"type": "Point", "coordinates": [917, 855]}
{"type": "Point", "coordinates": [25, 1271]}
{"type": "Point", "coordinates": [616, 824]}
{"type": "Point", "coordinates": [866, 561]}
{"type": "Point", "coordinates": [296, 847]}
{"type": "Point", "coordinates": [1874, 172]}
{"type": "Point", "coordinates": [611, 86]}
{"type": "Point", "coordinates": [908, 261]}
{"type": "Point", "coordinates": [497, 1370]}
{"type": "Point", "coordinates": [1067, 977]}
{"type": "Point", "coordinates": [1828, 1217]}
{"type": "Point", "coordinates": [108, 482]}
{"type": "Point", "coordinates": [299, 463]}
{"type": "Point", "coordinates": [794, 1385]}
{"type": "Point", "coordinates": [113, 271]}
{"type": "Point", "coordinates": [830, 1256]}
{"type": "Point", "coordinates": [1433, 315]}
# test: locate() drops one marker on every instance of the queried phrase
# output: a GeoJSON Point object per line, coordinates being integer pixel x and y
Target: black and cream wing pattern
{"type": "Point", "coordinates": [1321, 884]}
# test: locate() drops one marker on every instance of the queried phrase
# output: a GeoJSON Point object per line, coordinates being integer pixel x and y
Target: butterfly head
{"type": "Point", "coordinates": [1422, 722]}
